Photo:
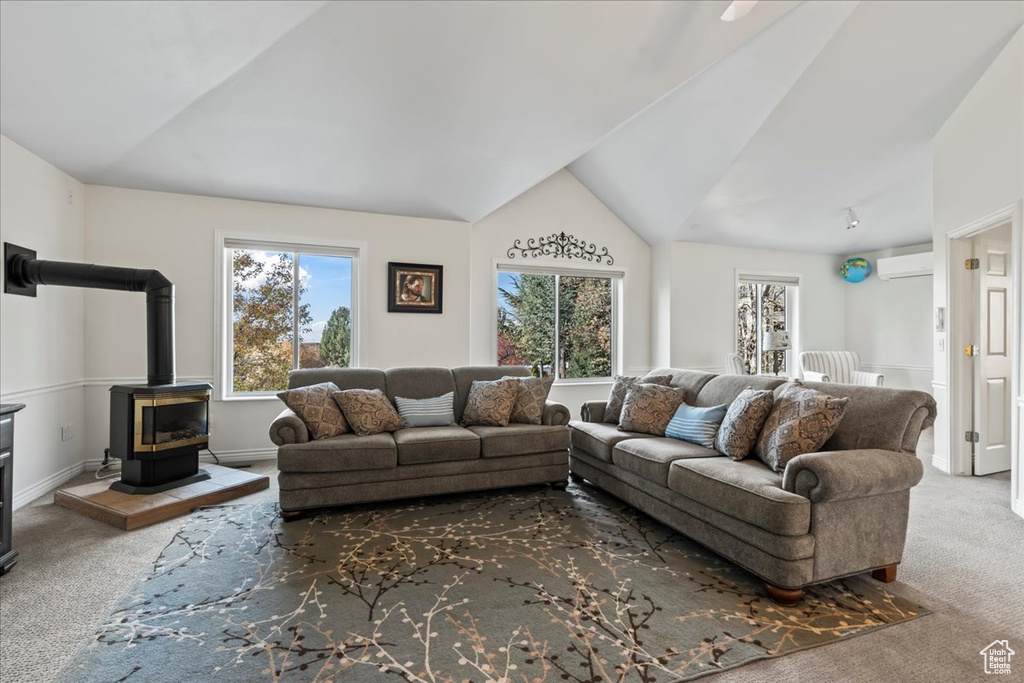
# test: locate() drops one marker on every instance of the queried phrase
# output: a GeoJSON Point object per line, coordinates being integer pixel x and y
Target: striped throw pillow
{"type": "Point", "coordinates": [696, 425]}
{"type": "Point", "coordinates": [427, 412]}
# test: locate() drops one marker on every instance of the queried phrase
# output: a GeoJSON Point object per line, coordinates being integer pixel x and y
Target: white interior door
{"type": "Point", "coordinates": [992, 404]}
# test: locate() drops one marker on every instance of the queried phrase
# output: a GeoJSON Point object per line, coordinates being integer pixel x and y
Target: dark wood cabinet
{"type": "Point", "coordinates": [8, 556]}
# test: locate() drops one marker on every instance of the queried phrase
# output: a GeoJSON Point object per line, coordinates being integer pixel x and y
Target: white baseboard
{"type": "Point", "coordinates": [940, 464]}
{"type": "Point", "coordinates": [26, 496]}
{"type": "Point", "coordinates": [1017, 507]}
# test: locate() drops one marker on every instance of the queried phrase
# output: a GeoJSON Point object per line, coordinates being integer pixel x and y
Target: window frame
{"type": "Point", "coordinates": [548, 267]}
{"type": "Point", "coordinates": [792, 281]}
{"type": "Point", "coordinates": [224, 242]}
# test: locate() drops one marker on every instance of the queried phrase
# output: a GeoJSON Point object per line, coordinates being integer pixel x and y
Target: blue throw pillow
{"type": "Point", "coordinates": [696, 425]}
{"type": "Point", "coordinates": [427, 412]}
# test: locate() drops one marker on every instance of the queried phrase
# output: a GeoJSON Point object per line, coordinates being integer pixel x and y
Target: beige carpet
{"type": "Point", "coordinates": [964, 559]}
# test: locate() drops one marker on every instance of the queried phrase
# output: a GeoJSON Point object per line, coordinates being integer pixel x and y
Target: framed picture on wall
{"type": "Point", "coordinates": [414, 288]}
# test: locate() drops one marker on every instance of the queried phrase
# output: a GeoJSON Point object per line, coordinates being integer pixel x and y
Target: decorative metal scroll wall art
{"type": "Point", "coordinates": [560, 245]}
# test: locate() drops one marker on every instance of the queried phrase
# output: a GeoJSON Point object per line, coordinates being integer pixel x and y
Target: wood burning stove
{"type": "Point", "coordinates": [157, 432]}
{"type": "Point", "coordinates": [157, 429]}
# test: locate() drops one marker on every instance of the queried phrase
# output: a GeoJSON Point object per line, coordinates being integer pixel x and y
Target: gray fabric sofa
{"type": "Point", "coordinates": [834, 513]}
{"type": "Point", "coordinates": [417, 461]}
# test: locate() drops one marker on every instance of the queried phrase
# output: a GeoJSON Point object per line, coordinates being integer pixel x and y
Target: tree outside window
{"type": "Point", "coordinates": [288, 310]}
{"type": "Point", "coordinates": [761, 308]}
{"type": "Point", "coordinates": [559, 324]}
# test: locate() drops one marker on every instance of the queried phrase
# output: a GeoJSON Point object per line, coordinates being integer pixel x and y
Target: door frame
{"type": "Point", "coordinates": [960, 326]}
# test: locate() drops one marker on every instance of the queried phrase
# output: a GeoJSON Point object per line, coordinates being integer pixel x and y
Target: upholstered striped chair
{"type": "Point", "coordinates": [837, 366]}
{"type": "Point", "coordinates": [734, 364]}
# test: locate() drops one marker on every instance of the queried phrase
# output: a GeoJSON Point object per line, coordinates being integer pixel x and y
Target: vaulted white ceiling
{"type": "Point", "coordinates": [833, 106]}
{"type": "Point", "coordinates": [759, 131]}
{"type": "Point", "coordinates": [435, 109]}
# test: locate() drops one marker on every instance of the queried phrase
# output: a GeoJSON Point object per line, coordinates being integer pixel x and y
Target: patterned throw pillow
{"type": "Point", "coordinates": [368, 411]}
{"type": "Point", "coordinates": [530, 399]}
{"type": "Point", "coordinates": [648, 408]}
{"type": "Point", "coordinates": [801, 422]}
{"type": "Point", "coordinates": [743, 422]}
{"type": "Point", "coordinates": [427, 412]}
{"type": "Point", "coordinates": [490, 403]}
{"type": "Point", "coordinates": [696, 425]}
{"type": "Point", "coordinates": [316, 408]}
{"type": "Point", "coordinates": [616, 399]}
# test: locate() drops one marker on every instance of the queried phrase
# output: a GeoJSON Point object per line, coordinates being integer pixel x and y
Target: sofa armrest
{"type": "Point", "coordinates": [816, 376]}
{"type": "Point", "coordinates": [593, 411]}
{"type": "Point", "coordinates": [845, 475]}
{"type": "Point", "coordinates": [555, 414]}
{"type": "Point", "coordinates": [867, 379]}
{"type": "Point", "coordinates": [288, 428]}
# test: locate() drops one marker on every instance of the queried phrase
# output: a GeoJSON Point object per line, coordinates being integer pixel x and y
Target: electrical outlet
{"type": "Point", "coordinates": [66, 433]}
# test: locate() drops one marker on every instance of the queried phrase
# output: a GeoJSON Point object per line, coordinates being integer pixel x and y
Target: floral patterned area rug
{"type": "Point", "coordinates": [518, 586]}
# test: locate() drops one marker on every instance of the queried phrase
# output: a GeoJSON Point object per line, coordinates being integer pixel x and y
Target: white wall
{"type": "Point", "coordinates": [176, 235]}
{"type": "Point", "coordinates": [890, 324]}
{"type": "Point", "coordinates": [702, 328]}
{"type": "Point", "coordinates": [978, 159]}
{"type": "Point", "coordinates": [42, 364]}
{"type": "Point", "coordinates": [562, 203]}
{"type": "Point", "coordinates": [661, 306]}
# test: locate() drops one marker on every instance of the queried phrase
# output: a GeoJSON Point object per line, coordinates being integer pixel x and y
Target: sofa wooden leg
{"type": "Point", "coordinates": [576, 479]}
{"type": "Point", "coordinates": [787, 597]}
{"type": "Point", "coordinates": [292, 515]}
{"type": "Point", "coordinates": [559, 485]}
{"type": "Point", "coordinates": [886, 574]}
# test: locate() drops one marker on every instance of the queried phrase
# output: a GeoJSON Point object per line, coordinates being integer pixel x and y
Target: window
{"type": "Point", "coordinates": [564, 322]}
{"type": "Point", "coordinates": [763, 305]}
{"type": "Point", "coordinates": [287, 307]}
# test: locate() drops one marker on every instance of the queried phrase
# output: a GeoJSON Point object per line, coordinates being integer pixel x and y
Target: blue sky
{"type": "Point", "coordinates": [329, 286]}
{"type": "Point", "coordinates": [505, 282]}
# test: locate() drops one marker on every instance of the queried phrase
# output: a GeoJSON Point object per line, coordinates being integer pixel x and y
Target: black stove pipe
{"type": "Point", "coordinates": [23, 271]}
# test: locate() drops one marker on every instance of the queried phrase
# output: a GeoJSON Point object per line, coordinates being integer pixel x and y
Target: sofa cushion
{"type": "Point", "coordinates": [690, 381]}
{"type": "Point", "coordinates": [801, 422]}
{"type": "Point", "coordinates": [343, 378]}
{"type": "Point", "coordinates": [649, 408]}
{"type": "Point", "coordinates": [317, 409]}
{"type": "Point", "coordinates": [696, 425]}
{"type": "Point", "coordinates": [530, 400]}
{"type": "Point", "coordinates": [436, 444]}
{"type": "Point", "coordinates": [650, 458]}
{"type": "Point", "coordinates": [490, 403]}
{"type": "Point", "coordinates": [427, 412]}
{"type": "Point", "coordinates": [598, 438]}
{"type": "Point", "coordinates": [748, 490]}
{"type": "Point", "coordinates": [621, 389]}
{"type": "Point", "coordinates": [520, 439]}
{"type": "Point", "coordinates": [725, 388]}
{"type": "Point", "coordinates": [368, 411]}
{"type": "Point", "coordinates": [738, 434]}
{"type": "Point", "coordinates": [345, 453]}
{"type": "Point", "coordinates": [418, 382]}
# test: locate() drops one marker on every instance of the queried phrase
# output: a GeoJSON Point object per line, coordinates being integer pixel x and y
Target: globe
{"type": "Point", "coordinates": [855, 269]}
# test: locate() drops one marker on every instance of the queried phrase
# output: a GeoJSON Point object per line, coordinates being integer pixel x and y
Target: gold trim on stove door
{"type": "Point", "coordinates": [167, 400]}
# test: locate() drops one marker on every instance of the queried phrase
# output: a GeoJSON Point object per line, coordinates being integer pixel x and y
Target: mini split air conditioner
{"type": "Point", "coordinates": [898, 267]}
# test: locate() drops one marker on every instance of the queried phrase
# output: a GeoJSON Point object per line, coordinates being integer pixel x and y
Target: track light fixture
{"type": "Point", "coordinates": [851, 219]}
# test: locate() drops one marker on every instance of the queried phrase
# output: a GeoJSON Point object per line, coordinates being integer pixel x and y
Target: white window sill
{"type": "Point", "coordinates": [240, 398]}
{"type": "Point", "coordinates": [582, 382]}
